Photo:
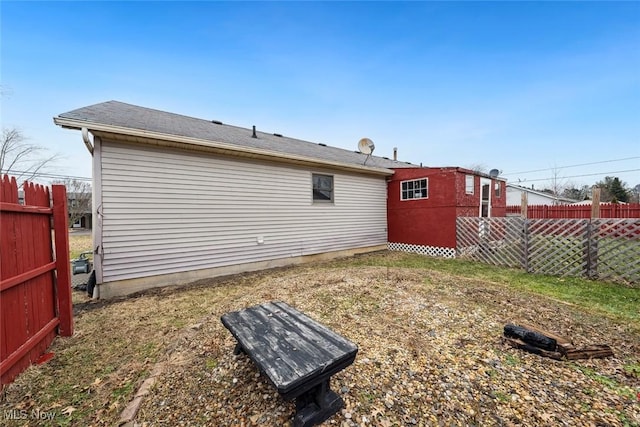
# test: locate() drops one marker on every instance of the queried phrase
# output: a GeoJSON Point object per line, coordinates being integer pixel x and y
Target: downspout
{"type": "Point", "coordinates": [85, 139]}
{"type": "Point", "coordinates": [96, 196]}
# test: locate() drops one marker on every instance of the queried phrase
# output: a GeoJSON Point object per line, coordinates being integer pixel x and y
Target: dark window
{"type": "Point", "coordinates": [416, 189]}
{"type": "Point", "coordinates": [322, 188]}
{"type": "Point", "coordinates": [485, 195]}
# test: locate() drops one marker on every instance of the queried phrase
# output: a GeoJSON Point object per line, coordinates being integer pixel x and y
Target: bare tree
{"type": "Point", "coordinates": [558, 184]}
{"type": "Point", "coordinates": [79, 198]}
{"type": "Point", "coordinates": [20, 158]}
{"type": "Point", "coordinates": [578, 194]}
{"type": "Point", "coordinates": [478, 167]}
{"type": "Point", "coordinates": [635, 194]}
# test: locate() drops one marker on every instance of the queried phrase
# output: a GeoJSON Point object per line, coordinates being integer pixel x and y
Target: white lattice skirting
{"type": "Point", "coordinates": [423, 250]}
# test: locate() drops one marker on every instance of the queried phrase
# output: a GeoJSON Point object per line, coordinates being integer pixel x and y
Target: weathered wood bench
{"type": "Point", "coordinates": [297, 354]}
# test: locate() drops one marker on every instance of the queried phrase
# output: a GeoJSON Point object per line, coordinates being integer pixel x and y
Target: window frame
{"type": "Point", "coordinates": [497, 189]}
{"type": "Point", "coordinates": [413, 190]}
{"type": "Point", "coordinates": [466, 184]}
{"type": "Point", "coordinates": [313, 189]}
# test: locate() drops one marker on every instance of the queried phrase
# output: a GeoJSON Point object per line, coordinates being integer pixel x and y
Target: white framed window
{"type": "Point", "coordinates": [497, 188]}
{"type": "Point", "coordinates": [322, 188]}
{"type": "Point", "coordinates": [414, 189]}
{"type": "Point", "coordinates": [469, 184]}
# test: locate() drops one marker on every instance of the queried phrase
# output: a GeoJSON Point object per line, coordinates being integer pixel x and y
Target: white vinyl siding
{"type": "Point", "coordinates": [168, 211]}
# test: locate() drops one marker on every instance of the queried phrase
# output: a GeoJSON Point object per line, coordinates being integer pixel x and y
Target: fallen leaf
{"type": "Point", "coordinates": [68, 410]}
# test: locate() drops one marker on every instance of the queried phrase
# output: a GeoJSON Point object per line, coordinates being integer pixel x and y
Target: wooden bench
{"type": "Point", "coordinates": [297, 354]}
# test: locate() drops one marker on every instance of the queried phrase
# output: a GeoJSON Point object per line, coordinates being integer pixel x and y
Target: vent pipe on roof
{"type": "Point", "coordinates": [395, 154]}
{"type": "Point", "coordinates": [85, 139]}
{"type": "Point", "coordinates": [254, 132]}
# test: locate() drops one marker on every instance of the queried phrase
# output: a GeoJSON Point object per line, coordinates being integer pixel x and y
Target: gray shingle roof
{"type": "Point", "coordinates": [114, 113]}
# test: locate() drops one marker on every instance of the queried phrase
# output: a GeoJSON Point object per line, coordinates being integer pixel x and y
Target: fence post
{"type": "Point", "coordinates": [595, 202]}
{"type": "Point", "coordinates": [525, 243]}
{"type": "Point", "coordinates": [591, 250]}
{"type": "Point", "coordinates": [523, 205]}
{"type": "Point", "coordinates": [63, 270]}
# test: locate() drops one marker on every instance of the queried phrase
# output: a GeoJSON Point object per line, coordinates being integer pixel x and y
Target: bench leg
{"type": "Point", "coordinates": [316, 405]}
{"type": "Point", "coordinates": [238, 349]}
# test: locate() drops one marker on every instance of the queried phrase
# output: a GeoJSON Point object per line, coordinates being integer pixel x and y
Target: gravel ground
{"type": "Point", "coordinates": [430, 353]}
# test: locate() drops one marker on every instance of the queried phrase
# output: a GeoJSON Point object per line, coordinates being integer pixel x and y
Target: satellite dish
{"type": "Point", "coordinates": [493, 173]}
{"type": "Point", "coordinates": [366, 146]}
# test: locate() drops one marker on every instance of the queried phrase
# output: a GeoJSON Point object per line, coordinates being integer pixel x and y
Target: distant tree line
{"type": "Point", "coordinates": [612, 190]}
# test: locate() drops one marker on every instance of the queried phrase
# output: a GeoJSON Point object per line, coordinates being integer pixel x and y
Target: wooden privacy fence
{"type": "Point", "coordinates": [35, 286]}
{"type": "Point", "coordinates": [607, 210]}
{"type": "Point", "coordinates": [596, 248]}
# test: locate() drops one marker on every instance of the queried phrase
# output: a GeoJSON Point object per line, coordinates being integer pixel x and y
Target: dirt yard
{"type": "Point", "coordinates": [430, 353]}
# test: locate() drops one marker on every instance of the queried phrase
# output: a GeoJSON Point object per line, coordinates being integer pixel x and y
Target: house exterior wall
{"type": "Point", "coordinates": [432, 221]}
{"type": "Point", "coordinates": [469, 204]}
{"type": "Point", "coordinates": [514, 197]}
{"type": "Point", "coordinates": [166, 212]}
{"type": "Point", "coordinates": [423, 221]}
{"type": "Point", "coordinates": [83, 222]}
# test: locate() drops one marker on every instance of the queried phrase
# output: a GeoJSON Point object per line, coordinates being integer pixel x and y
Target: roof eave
{"type": "Point", "coordinates": [213, 146]}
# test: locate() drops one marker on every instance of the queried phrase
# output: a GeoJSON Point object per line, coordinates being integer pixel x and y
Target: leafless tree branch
{"type": "Point", "coordinates": [78, 196]}
{"type": "Point", "coordinates": [20, 158]}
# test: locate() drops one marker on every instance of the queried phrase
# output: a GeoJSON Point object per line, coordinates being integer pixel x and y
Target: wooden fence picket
{"type": "Point", "coordinates": [605, 210]}
{"type": "Point", "coordinates": [35, 297]}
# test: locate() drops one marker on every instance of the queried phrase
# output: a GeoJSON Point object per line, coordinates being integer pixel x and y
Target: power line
{"type": "Point", "coordinates": [45, 175]}
{"type": "Point", "coordinates": [580, 176]}
{"type": "Point", "coordinates": [573, 166]}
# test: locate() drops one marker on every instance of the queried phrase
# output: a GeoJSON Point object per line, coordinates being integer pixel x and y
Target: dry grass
{"type": "Point", "coordinates": [78, 243]}
{"type": "Point", "coordinates": [430, 351]}
{"type": "Point", "coordinates": [115, 344]}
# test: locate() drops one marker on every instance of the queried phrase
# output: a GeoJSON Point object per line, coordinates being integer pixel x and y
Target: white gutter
{"type": "Point", "coordinates": [83, 124]}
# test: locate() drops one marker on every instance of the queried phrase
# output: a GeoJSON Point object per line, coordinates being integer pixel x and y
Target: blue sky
{"type": "Point", "coordinates": [513, 86]}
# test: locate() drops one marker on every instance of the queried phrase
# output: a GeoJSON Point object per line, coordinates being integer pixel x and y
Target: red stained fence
{"type": "Point", "coordinates": [35, 280]}
{"type": "Point", "coordinates": [607, 210]}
